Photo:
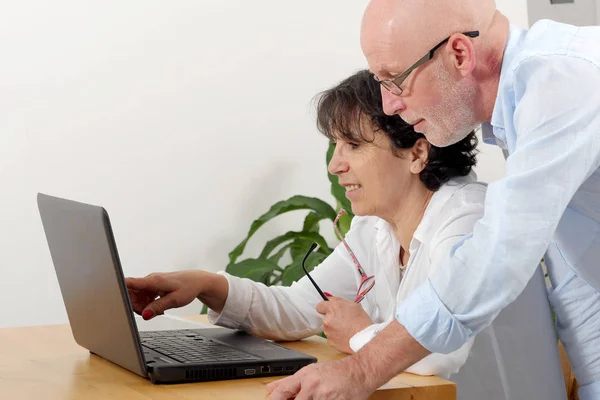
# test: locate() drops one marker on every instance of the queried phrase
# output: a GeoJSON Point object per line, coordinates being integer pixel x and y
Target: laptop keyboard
{"type": "Point", "coordinates": [189, 347]}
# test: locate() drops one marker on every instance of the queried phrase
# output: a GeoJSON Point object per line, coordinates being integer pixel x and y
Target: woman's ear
{"type": "Point", "coordinates": [419, 155]}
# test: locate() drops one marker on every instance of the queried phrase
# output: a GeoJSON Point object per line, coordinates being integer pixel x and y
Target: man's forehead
{"type": "Point", "coordinates": [396, 33]}
{"type": "Point", "coordinates": [391, 47]}
{"type": "Point", "coordinates": [386, 61]}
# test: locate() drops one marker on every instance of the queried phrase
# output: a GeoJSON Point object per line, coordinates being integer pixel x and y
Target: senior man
{"type": "Point", "coordinates": [446, 67]}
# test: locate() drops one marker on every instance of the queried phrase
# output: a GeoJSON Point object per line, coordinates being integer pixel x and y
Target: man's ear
{"type": "Point", "coordinates": [419, 155]}
{"type": "Point", "coordinates": [459, 57]}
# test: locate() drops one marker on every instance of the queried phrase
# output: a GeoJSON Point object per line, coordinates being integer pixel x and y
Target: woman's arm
{"type": "Point", "coordinates": [281, 312]}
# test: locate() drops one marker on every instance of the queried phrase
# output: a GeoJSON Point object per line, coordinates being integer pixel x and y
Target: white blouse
{"type": "Point", "coordinates": [489, 359]}
{"type": "Point", "coordinates": [288, 313]}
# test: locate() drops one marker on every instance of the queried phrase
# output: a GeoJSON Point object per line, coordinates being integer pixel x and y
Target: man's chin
{"type": "Point", "coordinates": [444, 139]}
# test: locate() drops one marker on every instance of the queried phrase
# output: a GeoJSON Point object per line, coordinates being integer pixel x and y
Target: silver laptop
{"type": "Point", "coordinates": [90, 276]}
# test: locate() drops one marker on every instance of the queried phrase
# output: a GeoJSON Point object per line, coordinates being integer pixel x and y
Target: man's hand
{"type": "Point", "coordinates": [357, 376]}
{"type": "Point", "coordinates": [339, 380]}
{"type": "Point", "coordinates": [342, 319]}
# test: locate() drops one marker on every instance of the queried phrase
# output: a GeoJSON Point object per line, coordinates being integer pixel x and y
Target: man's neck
{"type": "Point", "coordinates": [491, 66]}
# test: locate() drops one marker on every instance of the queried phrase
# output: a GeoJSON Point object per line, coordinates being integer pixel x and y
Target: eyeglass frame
{"type": "Point", "coordinates": [360, 295]}
{"type": "Point", "coordinates": [392, 85]}
{"type": "Point", "coordinates": [312, 248]}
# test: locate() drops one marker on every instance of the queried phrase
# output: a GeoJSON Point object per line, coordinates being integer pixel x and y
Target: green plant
{"type": "Point", "coordinates": [273, 265]}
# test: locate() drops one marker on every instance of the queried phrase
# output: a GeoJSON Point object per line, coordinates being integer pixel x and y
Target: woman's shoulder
{"type": "Point", "coordinates": [463, 190]}
{"type": "Point", "coordinates": [456, 199]}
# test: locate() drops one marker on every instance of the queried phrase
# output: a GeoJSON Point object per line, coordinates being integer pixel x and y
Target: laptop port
{"type": "Point", "coordinates": [265, 369]}
{"type": "Point", "coordinates": [277, 369]}
{"type": "Point", "coordinates": [289, 368]}
{"type": "Point", "coordinates": [250, 371]}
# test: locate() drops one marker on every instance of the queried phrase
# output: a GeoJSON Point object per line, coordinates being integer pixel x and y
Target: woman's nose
{"type": "Point", "coordinates": [337, 164]}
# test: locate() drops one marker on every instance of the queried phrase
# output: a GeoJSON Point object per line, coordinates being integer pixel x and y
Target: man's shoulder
{"type": "Point", "coordinates": [547, 39]}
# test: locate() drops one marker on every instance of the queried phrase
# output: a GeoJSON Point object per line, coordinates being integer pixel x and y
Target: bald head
{"type": "Point", "coordinates": [449, 94]}
{"type": "Point", "coordinates": [411, 27]}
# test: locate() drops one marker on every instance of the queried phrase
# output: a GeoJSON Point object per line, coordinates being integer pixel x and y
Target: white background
{"type": "Point", "coordinates": [579, 12]}
{"type": "Point", "coordinates": [186, 120]}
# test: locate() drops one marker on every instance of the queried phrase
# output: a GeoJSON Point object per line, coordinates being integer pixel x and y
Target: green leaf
{"type": "Point", "coordinates": [311, 222]}
{"type": "Point", "coordinates": [291, 204]}
{"type": "Point", "coordinates": [299, 248]}
{"type": "Point", "coordinates": [338, 192]}
{"type": "Point", "coordinates": [294, 271]}
{"type": "Point", "coordinates": [257, 269]}
{"type": "Point", "coordinates": [344, 223]}
{"type": "Point", "coordinates": [277, 256]}
{"type": "Point", "coordinates": [293, 236]}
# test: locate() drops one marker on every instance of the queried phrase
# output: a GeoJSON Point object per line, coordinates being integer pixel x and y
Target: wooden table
{"type": "Point", "coordinates": [45, 363]}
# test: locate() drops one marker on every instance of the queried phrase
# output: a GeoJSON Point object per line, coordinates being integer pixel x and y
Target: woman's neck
{"type": "Point", "coordinates": [408, 216]}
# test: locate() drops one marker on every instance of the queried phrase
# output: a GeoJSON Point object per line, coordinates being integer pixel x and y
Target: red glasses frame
{"type": "Point", "coordinates": [366, 282]}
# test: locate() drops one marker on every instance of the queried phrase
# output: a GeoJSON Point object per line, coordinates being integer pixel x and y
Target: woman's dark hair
{"type": "Point", "coordinates": [342, 109]}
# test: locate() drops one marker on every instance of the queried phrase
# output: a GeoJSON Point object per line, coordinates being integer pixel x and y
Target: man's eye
{"type": "Point", "coordinates": [353, 145]}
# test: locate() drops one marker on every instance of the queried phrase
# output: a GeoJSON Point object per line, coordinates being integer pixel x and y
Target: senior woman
{"type": "Point", "coordinates": [413, 202]}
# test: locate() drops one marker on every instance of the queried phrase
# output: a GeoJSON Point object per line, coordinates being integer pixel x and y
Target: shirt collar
{"type": "Point", "coordinates": [489, 135]}
{"type": "Point", "coordinates": [430, 218]}
{"type": "Point", "coordinates": [432, 213]}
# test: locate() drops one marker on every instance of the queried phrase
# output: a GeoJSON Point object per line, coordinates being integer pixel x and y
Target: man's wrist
{"type": "Point", "coordinates": [359, 364]}
{"type": "Point", "coordinates": [386, 355]}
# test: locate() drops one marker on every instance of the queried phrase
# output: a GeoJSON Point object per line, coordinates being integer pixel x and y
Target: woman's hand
{"type": "Point", "coordinates": [158, 292]}
{"type": "Point", "coordinates": [342, 319]}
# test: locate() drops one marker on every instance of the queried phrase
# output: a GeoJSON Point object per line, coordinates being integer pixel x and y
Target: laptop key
{"type": "Point", "coordinates": [190, 347]}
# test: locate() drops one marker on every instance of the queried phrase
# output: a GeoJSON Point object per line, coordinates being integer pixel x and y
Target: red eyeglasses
{"type": "Point", "coordinates": [366, 282]}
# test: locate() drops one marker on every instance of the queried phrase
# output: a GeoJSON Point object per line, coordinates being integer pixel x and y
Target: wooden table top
{"type": "Point", "coordinates": [44, 362]}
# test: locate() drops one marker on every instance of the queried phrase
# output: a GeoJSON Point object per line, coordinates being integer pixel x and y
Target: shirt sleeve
{"type": "Point", "coordinates": [557, 148]}
{"type": "Point", "coordinates": [363, 337]}
{"type": "Point", "coordinates": [282, 312]}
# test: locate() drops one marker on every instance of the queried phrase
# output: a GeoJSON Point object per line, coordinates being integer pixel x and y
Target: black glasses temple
{"type": "Point", "coordinates": [471, 34]}
{"type": "Point", "coordinates": [312, 248]}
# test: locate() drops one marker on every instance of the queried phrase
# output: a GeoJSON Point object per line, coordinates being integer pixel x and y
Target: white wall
{"type": "Point", "coordinates": [185, 119]}
{"type": "Point", "coordinates": [580, 12]}
{"type": "Point", "coordinates": [515, 10]}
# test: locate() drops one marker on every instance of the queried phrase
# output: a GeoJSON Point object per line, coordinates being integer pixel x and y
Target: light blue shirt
{"type": "Point", "coordinates": [547, 116]}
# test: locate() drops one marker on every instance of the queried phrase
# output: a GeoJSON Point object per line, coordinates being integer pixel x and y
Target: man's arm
{"type": "Point", "coordinates": [357, 376]}
{"type": "Point", "coordinates": [392, 351]}
{"type": "Point", "coordinates": [557, 121]}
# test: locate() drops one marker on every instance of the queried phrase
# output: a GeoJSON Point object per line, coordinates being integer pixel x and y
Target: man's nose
{"type": "Point", "coordinates": [392, 104]}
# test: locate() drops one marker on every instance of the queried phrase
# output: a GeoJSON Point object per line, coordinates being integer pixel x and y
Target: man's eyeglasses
{"type": "Point", "coordinates": [393, 84]}
{"type": "Point", "coordinates": [366, 282]}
